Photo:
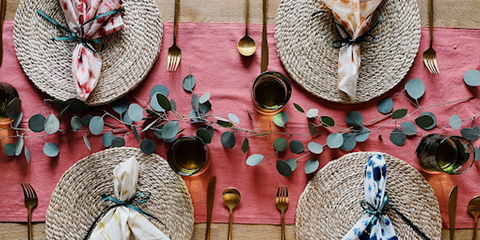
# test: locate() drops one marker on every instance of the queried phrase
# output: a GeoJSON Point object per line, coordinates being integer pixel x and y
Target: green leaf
{"type": "Point", "coordinates": [87, 143]}
{"type": "Point", "coordinates": [354, 119]}
{"type": "Point", "coordinates": [173, 104]}
{"type": "Point", "coordinates": [52, 125]}
{"type": "Point", "coordinates": [209, 128]}
{"type": "Point", "coordinates": [312, 128]}
{"type": "Point", "coordinates": [196, 116]}
{"type": "Point", "coordinates": [107, 139]}
{"type": "Point", "coordinates": [300, 109]}
{"type": "Point", "coordinates": [477, 154]}
{"type": "Point", "coordinates": [170, 129]}
{"type": "Point", "coordinates": [284, 169]}
{"type": "Point", "coordinates": [292, 163]}
{"type": "Point", "coordinates": [188, 83]}
{"type": "Point", "coordinates": [155, 105]}
{"type": "Point", "coordinates": [164, 102]}
{"type": "Point", "coordinates": [280, 119]}
{"type": "Point", "coordinates": [349, 142]}
{"type": "Point", "coordinates": [472, 78]}
{"type": "Point", "coordinates": [426, 121]}
{"type": "Point", "coordinates": [385, 106]}
{"type": "Point", "coordinates": [28, 155]}
{"type": "Point", "coordinates": [280, 144]}
{"type": "Point", "coordinates": [147, 146]}
{"type": "Point", "coordinates": [334, 140]}
{"type": "Point", "coordinates": [150, 125]}
{"type": "Point", "coordinates": [233, 118]}
{"type": "Point", "coordinates": [120, 106]}
{"type": "Point", "coordinates": [135, 134]}
{"type": "Point", "coordinates": [408, 128]}
{"type": "Point", "coordinates": [398, 137]}
{"type": "Point", "coordinates": [205, 107]}
{"type": "Point", "coordinates": [204, 135]}
{"type": "Point", "coordinates": [86, 120]}
{"type": "Point", "coordinates": [311, 166]}
{"type": "Point", "coordinates": [224, 122]}
{"type": "Point", "coordinates": [195, 103]}
{"type": "Point", "coordinates": [62, 113]}
{"type": "Point", "coordinates": [36, 123]}
{"type": "Point", "coordinates": [135, 112]}
{"type": "Point", "coordinates": [469, 134]}
{"type": "Point", "coordinates": [477, 129]}
{"type": "Point", "coordinates": [9, 149]}
{"type": "Point", "coordinates": [363, 135]}
{"type": "Point", "coordinates": [19, 146]}
{"type": "Point", "coordinates": [228, 139]}
{"type": "Point", "coordinates": [455, 122]}
{"type": "Point", "coordinates": [14, 107]}
{"type": "Point", "coordinates": [245, 145]}
{"type": "Point", "coordinates": [327, 121]}
{"type": "Point", "coordinates": [312, 113]}
{"type": "Point", "coordinates": [118, 142]}
{"type": "Point", "coordinates": [205, 97]}
{"type": "Point", "coordinates": [315, 148]}
{"type": "Point", "coordinates": [51, 149]}
{"type": "Point", "coordinates": [400, 113]}
{"type": "Point", "coordinates": [254, 159]}
{"type": "Point", "coordinates": [158, 89]}
{"type": "Point", "coordinates": [96, 125]}
{"type": "Point", "coordinates": [18, 120]}
{"type": "Point", "coordinates": [415, 88]}
{"type": "Point", "coordinates": [296, 146]}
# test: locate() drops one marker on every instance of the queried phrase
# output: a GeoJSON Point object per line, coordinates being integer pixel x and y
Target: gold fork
{"type": "Point", "coordinates": [31, 202]}
{"type": "Point", "coordinates": [282, 204]}
{"type": "Point", "coordinates": [174, 53]}
{"type": "Point", "coordinates": [429, 56]}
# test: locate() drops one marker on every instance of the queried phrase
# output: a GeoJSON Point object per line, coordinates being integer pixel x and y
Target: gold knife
{"type": "Point", "coordinates": [210, 197]}
{"type": "Point", "coordinates": [264, 60]}
{"type": "Point", "coordinates": [452, 209]}
{"type": "Point", "coordinates": [3, 6]}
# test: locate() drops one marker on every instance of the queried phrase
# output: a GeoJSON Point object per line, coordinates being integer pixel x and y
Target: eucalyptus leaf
{"type": "Point", "coordinates": [354, 119]}
{"type": "Point", "coordinates": [408, 128]}
{"type": "Point", "coordinates": [96, 125]}
{"type": "Point", "coordinates": [300, 109]}
{"type": "Point", "coordinates": [245, 145]}
{"type": "Point", "coordinates": [14, 107]}
{"type": "Point", "coordinates": [385, 106]}
{"type": "Point", "coordinates": [455, 122]}
{"type": "Point", "coordinates": [422, 120]}
{"type": "Point", "coordinates": [127, 119]}
{"type": "Point", "coordinates": [205, 97]}
{"type": "Point", "coordinates": [224, 123]}
{"type": "Point", "coordinates": [477, 154]}
{"type": "Point", "coordinates": [296, 146]}
{"type": "Point", "coordinates": [312, 128]}
{"type": "Point", "coordinates": [205, 107]}
{"type": "Point", "coordinates": [9, 149]}
{"type": "Point", "coordinates": [169, 140]}
{"type": "Point", "coordinates": [150, 125]}
{"type": "Point", "coordinates": [87, 143]}
{"type": "Point", "coordinates": [158, 89]}
{"type": "Point", "coordinates": [254, 159]}
{"type": "Point", "coordinates": [18, 120]}
{"type": "Point", "coordinates": [135, 112]}
{"type": "Point", "coordinates": [209, 128]}
{"type": "Point", "coordinates": [311, 166]}
{"type": "Point", "coordinates": [280, 119]}
{"type": "Point", "coordinates": [118, 142]}
{"type": "Point", "coordinates": [398, 137]}
{"type": "Point", "coordinates": [415, 88]}
{"type": "Point", "coordinates": [120, 106]}
{"type": "Point", "coordinates": [51, 149]}
{"type": "Point", "coordinates": [155, 105]}
{"type": "Point", "coordinates": [86, 120]}
{"type": "Point", "coordinates": [327, 121]}
{"type": "Point", "coordinates": [170, 129]}
{"type": "Point", "coordinates": [233, 118]}
{"type": "Point", "coordinates": [334, 140]}
{"type": "Point", "coordinates": [147, 146]}
{"type": "Point", "coordinates": [362, 134]}
{"type": "Point", "coordinates": [163, 102]}
{"type": "Point", "coordinates": [135, 134]}
{"type": "Point", "coordinates": [315, 148]}
{"type": "Point", "coordinates": [477, 129]}
{"type": "Point", "coordinates": [158, 134]}
{"type": "Point", "coordinates": [36, 123]}
{"type": "Point", "coordinates": [280, 144]}
{"type": "Point", "coordinates": [19, 146]}
{"type": "Point", "coordinates": [228, 139]}
{"type": "Point", "coordinates": [349, 142]}
{"type": "Point", "coordinates": [312, 113]}
{"type": "Point", "coordinates": [469, 134]}
{"type": "Point", "coordinates": [284, 169]}
{"type": "Point", "coordinates": [196, 116]}
{"type": "Point", "coordinates": [62, 113]}
{"type": "Point", "coordinates": [204, 135]}
{"type": "Point", "coordinates": [292, 163]}
{"type": "Point", "coordinates": [173, 104]}
{"type": "Point", "coordinates": [76, 123]}
{"type": "Point", "coordinates": [52, 125]}
{"type": "Point", "coordinates": [195, 102]}
{"type": "Point", "coordinates": [28, 154]}
{"type": "Point", "coordinates": [188, 83]}
{"type": "Point", "coordinates": [400, 113]}
{"type": "Point", "coordinates": [107, 139]}
{"type": "Point", "coordinates": [472, 78]}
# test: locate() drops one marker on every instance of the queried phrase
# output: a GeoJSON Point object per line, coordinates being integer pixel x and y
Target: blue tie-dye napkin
{"type": "Point", "coordinates": [375, 200]}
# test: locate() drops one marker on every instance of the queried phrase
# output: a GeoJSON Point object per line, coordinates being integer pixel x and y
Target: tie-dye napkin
{"type": "Point", "coordinates": [86, 64]}
{"type": "Point", "coordinates": [354, 16]}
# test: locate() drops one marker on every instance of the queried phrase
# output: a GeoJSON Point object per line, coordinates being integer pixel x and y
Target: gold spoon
{"type": "Point", "coordinates": [246, 45]}
{"type": "Point", "coordinates": [231, 199]}
{"type": "Point", "coordinates": [474, 210]}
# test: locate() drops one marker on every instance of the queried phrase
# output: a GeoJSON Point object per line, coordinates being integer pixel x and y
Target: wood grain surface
{"type": "Point", "coordinates": [448, 13]}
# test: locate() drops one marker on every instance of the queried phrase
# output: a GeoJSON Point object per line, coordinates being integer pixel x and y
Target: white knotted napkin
{"type": "Point", "coordinates": [121, 221]}
{"type": "Point", "coordinates": [354, 16]}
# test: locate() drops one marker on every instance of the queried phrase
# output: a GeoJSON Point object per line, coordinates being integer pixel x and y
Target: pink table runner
{"type": "Point", "coordinates": [220, 70]}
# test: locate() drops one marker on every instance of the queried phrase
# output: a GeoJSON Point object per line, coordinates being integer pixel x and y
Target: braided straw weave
{"type": "Point", "coordinates": [304, 45]}
{"type": "Point", "coordinates": [330, 205]}
{"type": "Point", "coordinates": [128, 56]}
{"type": "Point", "coordinates": [76, 201]}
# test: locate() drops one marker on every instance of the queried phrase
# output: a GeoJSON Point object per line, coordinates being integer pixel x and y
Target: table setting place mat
{"type": "Point", "coordinates": [304, 45]}
{"type": "Point", "coordinates": [128, 54]}
{"type": "Point", "coordinates": [330, 204]}
{"type": "Point", "coordinates": [77, 200]}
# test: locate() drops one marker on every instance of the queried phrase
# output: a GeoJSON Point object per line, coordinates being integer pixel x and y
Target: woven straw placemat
{"type": "Point", "coordinates": [127, 57]}
{"type": "Point", "coordinates": [76, 201]}
{"type": "Point", "coordinates": [304, 45]}
{"type": "Point", "coordinates": [330, 204]}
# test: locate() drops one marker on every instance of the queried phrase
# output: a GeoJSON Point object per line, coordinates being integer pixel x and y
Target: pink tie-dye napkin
{"type": "Point", "coordinates": [354, 16]}
{"type": "Point", "coordinates": [86, 64]}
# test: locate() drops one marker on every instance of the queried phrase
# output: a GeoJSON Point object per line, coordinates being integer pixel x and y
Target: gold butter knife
{"type": "Point", "coordinates": [210, 197]}
{"type": "Point", "coordinates": [264, 60]}
{"type": "Point", "coordinates": [3, 6]}
{"type": "Point", "coordinates": [452, 209]}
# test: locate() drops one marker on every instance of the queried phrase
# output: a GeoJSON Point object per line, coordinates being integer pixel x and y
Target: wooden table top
{"type": "Point", "coordinates": [448, 13]}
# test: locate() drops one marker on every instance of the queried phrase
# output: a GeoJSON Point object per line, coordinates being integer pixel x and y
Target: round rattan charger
{"type": "Point", "coordinates": [76, 201]}
{"type": "Point", "coordinates": [330, 204]}
{"type": "Point", "coordinates": [127, 58]}
{"type": "Point", "coordinates": [304, 45]}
